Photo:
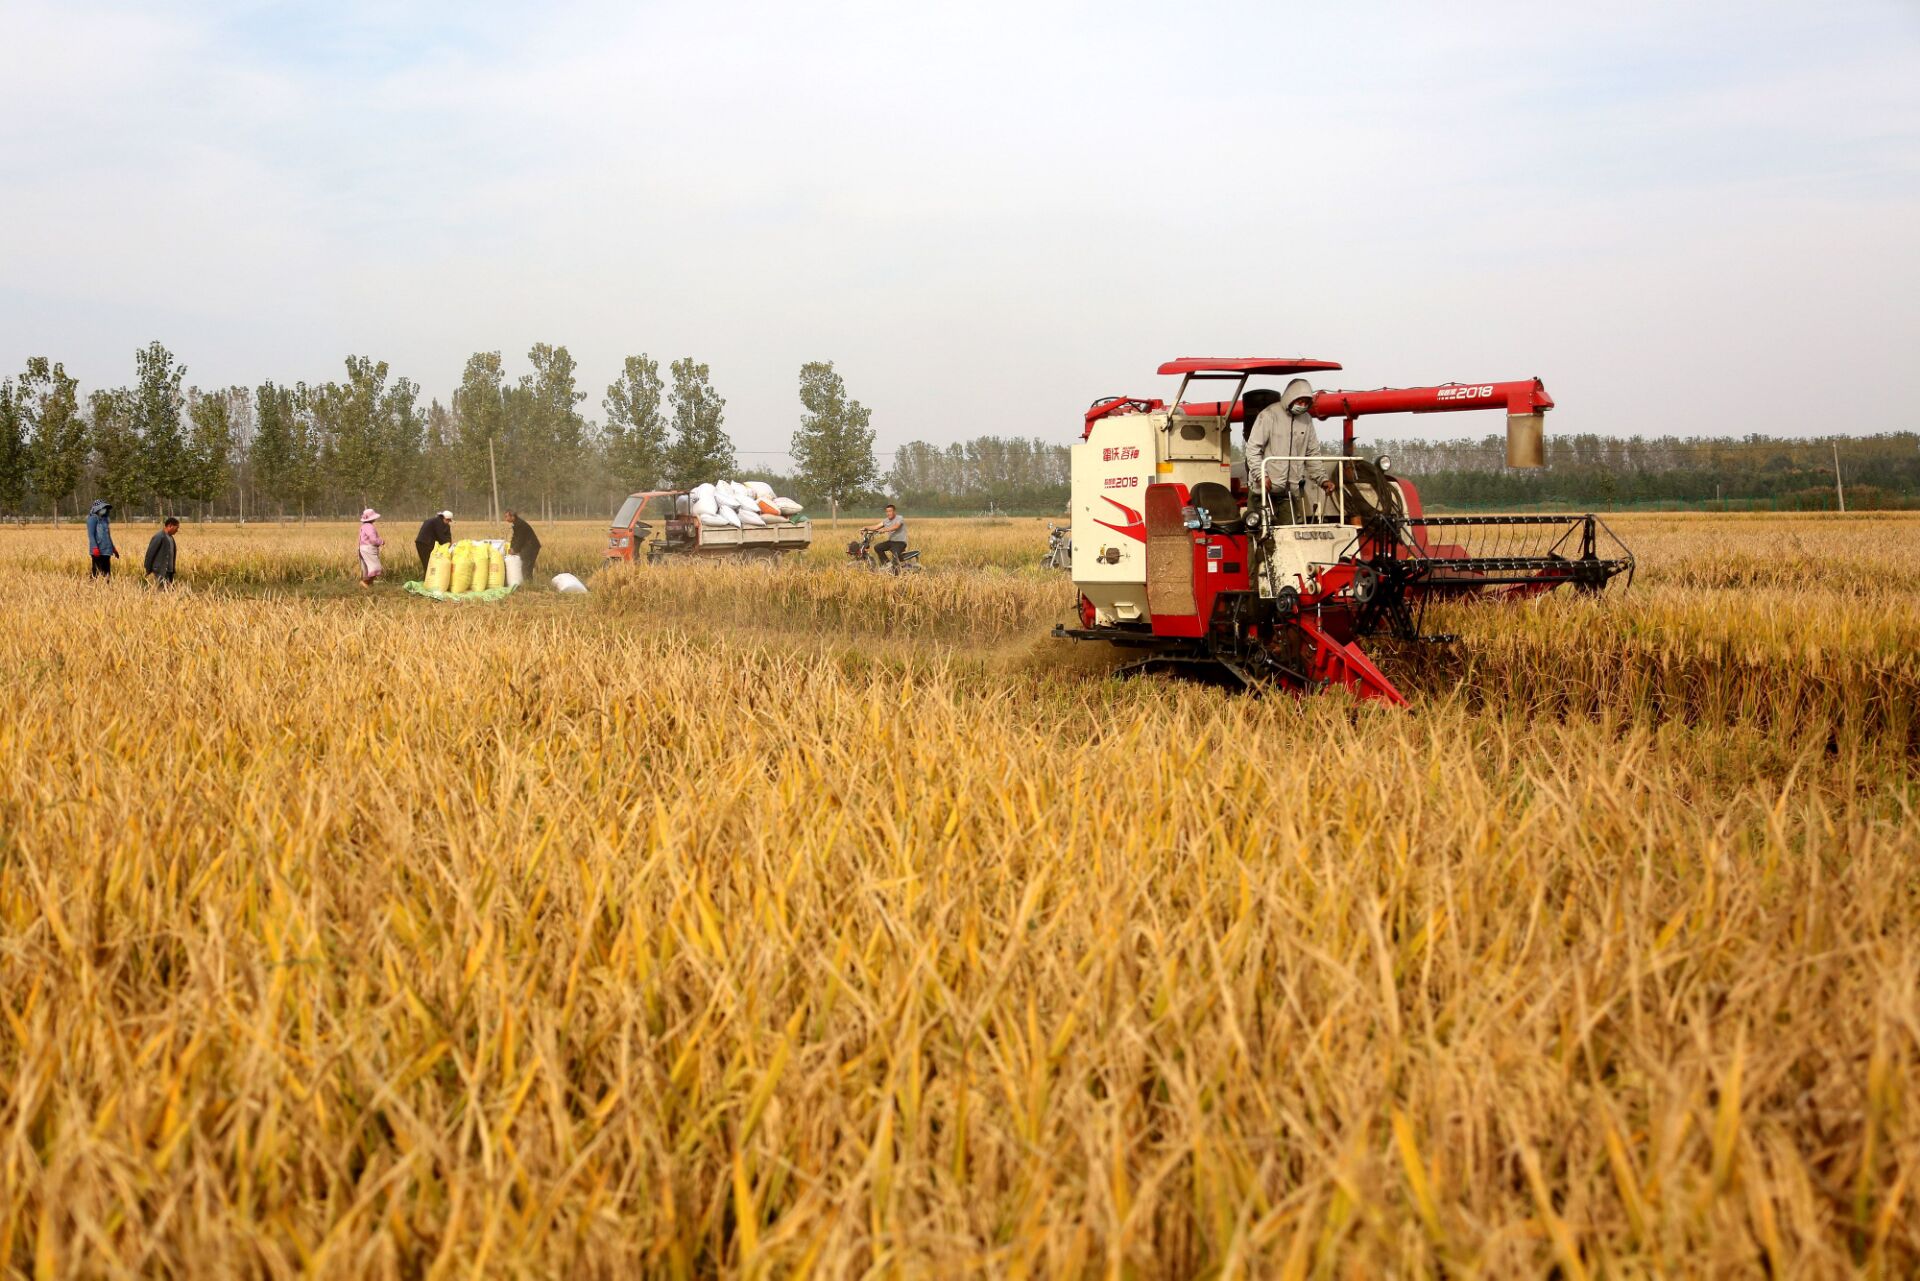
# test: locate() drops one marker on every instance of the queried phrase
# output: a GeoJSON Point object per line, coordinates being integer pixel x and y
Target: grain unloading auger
{"type": "Point", "coordinates": [1191, 566]}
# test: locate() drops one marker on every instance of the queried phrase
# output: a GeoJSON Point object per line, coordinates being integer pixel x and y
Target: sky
{"type": "Point", "coordinates": [1685, 217]}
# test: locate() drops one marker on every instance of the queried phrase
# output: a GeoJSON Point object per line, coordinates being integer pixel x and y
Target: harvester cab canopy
{"type": "Point", "coordinates": [1236, 370]}
{"type": "Point", "coordinates": [1192, 369]}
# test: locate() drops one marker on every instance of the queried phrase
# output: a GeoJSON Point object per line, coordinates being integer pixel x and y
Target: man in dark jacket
{"type": "Point", "coordinates": [524, 543]}
{"type": "Point", "coordinates": [161, 554]}
{"type": "Point", "coordinates": [100, 538]}
{"type": "Point", "coordinates": [437, 528]}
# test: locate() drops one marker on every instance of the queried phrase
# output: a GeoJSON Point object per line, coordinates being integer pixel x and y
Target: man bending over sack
{"type": "Point", "coordinates": [436, 528]}
{"type": "Point", "coordinates": [522, 542]}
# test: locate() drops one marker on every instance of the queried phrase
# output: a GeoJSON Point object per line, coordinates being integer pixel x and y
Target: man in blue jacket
{"type": "Point", "coordinates": [100, 538]}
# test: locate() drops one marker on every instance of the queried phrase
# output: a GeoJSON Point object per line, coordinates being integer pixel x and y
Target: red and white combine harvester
{"type": "Point", "coordinates": [1176, 556]}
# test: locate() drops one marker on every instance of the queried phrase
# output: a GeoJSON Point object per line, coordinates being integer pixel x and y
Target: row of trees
{"type": "Point", "coordinates": [1879, 471]}
{"type": "Point", "coordinates": [365, 440]}
{"type": "Point", "coordinates": [987, 473]}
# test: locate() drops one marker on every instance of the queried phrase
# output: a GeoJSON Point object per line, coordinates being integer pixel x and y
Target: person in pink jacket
{"type": "Point", "coordinates": [370, 545]}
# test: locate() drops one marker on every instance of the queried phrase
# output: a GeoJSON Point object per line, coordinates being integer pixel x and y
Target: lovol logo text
{"type": "Point", "coordinates": [1119, 453]}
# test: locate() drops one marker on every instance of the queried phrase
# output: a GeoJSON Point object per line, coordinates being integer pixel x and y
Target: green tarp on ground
{"type": "Point", "coordinates": [492, 593]}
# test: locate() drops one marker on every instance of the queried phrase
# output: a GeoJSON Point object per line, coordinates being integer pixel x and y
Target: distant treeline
{"type": "Point", "coordinates": [159, 444]}
{"type": "Point", "coordinates": [1759, 472]}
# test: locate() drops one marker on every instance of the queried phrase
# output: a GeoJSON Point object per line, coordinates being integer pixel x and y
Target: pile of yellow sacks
{"type": "Point", "coordinates": [470, 565]}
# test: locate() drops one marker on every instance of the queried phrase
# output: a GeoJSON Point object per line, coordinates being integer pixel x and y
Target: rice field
{"type": "Point", "coordinates": [749, 923]}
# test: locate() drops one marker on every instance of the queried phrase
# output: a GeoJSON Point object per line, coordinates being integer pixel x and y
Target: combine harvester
{"type": "Point", "coordinates": [1182, 561]}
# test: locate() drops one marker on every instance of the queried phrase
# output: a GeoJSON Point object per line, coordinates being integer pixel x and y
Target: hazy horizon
{"type": "Point", "coordinates": [985, 219]}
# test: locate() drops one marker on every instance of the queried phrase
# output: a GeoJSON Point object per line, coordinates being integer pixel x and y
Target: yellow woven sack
{"type": "Point", "coordinates": [496, 567]}
{"type": "Point", "coordinates": [462, 568]}
{"type": "Point", "coordinates": [440, 568]}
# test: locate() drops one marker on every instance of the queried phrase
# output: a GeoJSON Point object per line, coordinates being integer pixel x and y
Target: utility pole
{"type": "Point", "coordinates": [1838, 492]}
{"type": "Point", "coordinates": [494, 472]}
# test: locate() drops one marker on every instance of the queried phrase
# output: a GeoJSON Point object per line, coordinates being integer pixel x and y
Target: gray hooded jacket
{"type": "Point", "coordinates": [1278, 434]}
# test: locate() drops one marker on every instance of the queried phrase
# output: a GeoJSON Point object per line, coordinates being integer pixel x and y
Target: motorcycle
{"type": "Point", "coordinates": [1059, 554]}
{"type": "Point", "coordinates": [860, 554]}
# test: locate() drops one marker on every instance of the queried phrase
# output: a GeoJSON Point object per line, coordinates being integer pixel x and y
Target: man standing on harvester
{"type": "Point", "coordinates": [522, 542]}
{"type": "Point", "coordinates": [1282, 427]}
{"type": "Point", "coordinates": [437, 528]}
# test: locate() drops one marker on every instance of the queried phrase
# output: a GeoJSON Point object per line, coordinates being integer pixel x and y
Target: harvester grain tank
{"type": "Point", "coordinates": [1187, 564]}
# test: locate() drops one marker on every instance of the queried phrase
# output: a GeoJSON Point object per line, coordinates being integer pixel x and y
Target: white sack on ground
{"type": "Point", "coordinates": [569, 584]}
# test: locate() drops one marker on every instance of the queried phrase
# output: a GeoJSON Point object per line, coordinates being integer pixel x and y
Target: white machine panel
{"type": "Point", "coordinates": [1111, 472]}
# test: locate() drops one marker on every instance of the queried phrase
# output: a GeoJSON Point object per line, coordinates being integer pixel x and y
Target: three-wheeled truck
{"type": "Point", "coordinates": [660, 523]}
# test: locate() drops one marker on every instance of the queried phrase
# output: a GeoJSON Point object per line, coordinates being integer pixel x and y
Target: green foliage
{"type": "Point", "coordinates": [1003, 473]}
{"type": "Point", "coordinates": [1589, 471]}
{"type": "Point", "coordinates": [209, 446]}
{"type": "Point", "coordinates": [13, 447]}
{"type": "Point", "coordinates": [116, 446]}
{"type": "Point", "coordinates": [370, 431]}
{"type": "Point", "coordinates": [364, 439]}
{"type": "Point", "coordinates": [58, 451]}
{"type": "Point", "coordinates": [480, 416]}
{"type": "Point", "coordinates": [153, 406]}
{"type": "Point", "coordinates": [636, 430]}
{"type": "Point", "coordinates": [439, 470]}
{"type": "Point", "coordinates": [834, 444]}
{"type": "Point", "coordinates": [286, 455]}
{"type": "Point", "coordinates": [550, 436]}
{"type": "Point", "coordinates": [701, 449]}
